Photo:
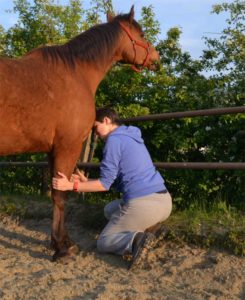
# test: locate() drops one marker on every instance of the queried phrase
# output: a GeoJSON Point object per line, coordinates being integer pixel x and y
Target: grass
{"type": "Point", "coordinates": [218, 225]}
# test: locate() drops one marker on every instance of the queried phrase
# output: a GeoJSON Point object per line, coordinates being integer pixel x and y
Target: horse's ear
{"type": "Point", "coordinates": [131, 14]}
{"type": "Point", "coordinates": [110, 16]}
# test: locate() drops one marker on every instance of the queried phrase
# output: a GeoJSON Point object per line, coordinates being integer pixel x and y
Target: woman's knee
{"type": "Point", "coordinates": [107, 211]}
{"type": "Point", "coordinates": [113, 243]}
{"type": "Point", "coordinates": [103, 245]}
{"type": "Point", "coordinates": [167, 208]}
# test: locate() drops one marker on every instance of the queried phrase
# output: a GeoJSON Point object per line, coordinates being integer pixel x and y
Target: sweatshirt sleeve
{"type": "Point", "coordinates": [110, 162]}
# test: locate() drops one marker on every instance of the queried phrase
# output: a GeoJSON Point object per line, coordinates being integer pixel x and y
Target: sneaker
{"type": "Point", "coordinates": [143, 242]}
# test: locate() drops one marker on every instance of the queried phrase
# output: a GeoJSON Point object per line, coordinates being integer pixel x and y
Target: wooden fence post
{"type": "Point", "coordinates": [87, 154]}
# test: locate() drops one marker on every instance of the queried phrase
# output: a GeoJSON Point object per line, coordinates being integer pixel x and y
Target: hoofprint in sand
{"type": "Point", "coordinates": [170, 272]}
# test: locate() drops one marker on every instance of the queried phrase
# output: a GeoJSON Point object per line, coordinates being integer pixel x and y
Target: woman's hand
{"type": "Point", "coordinates": [62, 184]}
{"type": "Point", "coordinates": [74, 177]}
{"type": "Point", "coordinates": [79, 176]}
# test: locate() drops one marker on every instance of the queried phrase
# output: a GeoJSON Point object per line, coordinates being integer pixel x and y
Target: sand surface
{"type": "Point", "coordinates": [171, 272]}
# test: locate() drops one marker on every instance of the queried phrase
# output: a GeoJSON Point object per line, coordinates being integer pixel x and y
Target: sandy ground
{"type": "Point", "coordinates": [171, 271]}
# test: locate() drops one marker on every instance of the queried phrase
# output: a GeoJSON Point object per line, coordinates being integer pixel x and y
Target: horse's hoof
{"type": "Point", "coordinates": [53, 246]}
{"type": "Point", "coordinates": [67, 256]}
{"type": "Point", "coordinates": [73, 250]}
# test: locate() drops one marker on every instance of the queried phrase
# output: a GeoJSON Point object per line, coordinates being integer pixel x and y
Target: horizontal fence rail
{"type": "Point", "coordinates": [160, 165]}
{"type": "Point", "coordinates": [186, 114]}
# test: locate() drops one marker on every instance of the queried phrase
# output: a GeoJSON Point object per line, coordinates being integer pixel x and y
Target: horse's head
{"type": "Point", "coordinates": [135, 49]}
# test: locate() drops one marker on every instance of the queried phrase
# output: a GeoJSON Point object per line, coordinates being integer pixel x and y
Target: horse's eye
{"type": "Point", "coordinates": [142, 35]}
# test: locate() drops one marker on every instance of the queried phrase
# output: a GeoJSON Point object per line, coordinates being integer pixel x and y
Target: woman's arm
{"type": "Point", "coordinates": [63, 184]}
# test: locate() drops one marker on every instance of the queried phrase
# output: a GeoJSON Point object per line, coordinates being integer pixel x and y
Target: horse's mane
{"type": "Point", "coordinates": [93, 45]}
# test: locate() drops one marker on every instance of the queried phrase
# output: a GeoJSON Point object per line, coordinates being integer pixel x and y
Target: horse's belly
{"type": "Point", "coordinates": [14, 142]}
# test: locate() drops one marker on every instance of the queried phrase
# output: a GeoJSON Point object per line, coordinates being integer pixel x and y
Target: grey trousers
{"type": "Point", "coordinates": [127, 219]}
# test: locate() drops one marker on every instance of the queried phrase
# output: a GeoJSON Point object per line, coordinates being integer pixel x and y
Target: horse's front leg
{"type": "Point", "coordinates": [62, 244]}
{"type": "Point", "coordinates": [60, 241]}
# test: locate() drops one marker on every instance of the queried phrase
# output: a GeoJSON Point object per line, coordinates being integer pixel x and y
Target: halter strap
{"type": "Point", "coordinates": [146, 46]}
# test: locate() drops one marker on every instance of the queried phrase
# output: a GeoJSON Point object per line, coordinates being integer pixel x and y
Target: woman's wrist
{"type": "Point", "coordinates": [75, 185]}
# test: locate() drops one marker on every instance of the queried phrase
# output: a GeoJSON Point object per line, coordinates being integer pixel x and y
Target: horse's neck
{"type": "Point", "coordinates": [92, 79]}
{"type": "Point", "coordinates": [89, 73]}
{"type": "Point", "coordinates": [95, 73]}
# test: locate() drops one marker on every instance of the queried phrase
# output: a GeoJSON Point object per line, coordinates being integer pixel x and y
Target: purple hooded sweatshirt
{"type": "Point", "coordinates": [126, 163]}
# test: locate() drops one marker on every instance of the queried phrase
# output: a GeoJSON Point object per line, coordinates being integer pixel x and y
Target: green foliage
{"type": "Point", "coordinates": [30, 207]}
{"type": "Point", "coordinates": [44, 23]}
{"type": "Point", "coordinates": [2, 40]}
{"type": "Point", "coordinates": [23, 180]}
{"type": "Point", "coordinates": [12, 208]}
{"type": "Point", "coordinates": [226, 55]}
{"type": "Point", "coordinates": [149, 24]}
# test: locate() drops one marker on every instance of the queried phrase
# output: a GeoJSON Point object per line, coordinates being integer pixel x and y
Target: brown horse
{"type": "Point", "coordinates": [47, 100]}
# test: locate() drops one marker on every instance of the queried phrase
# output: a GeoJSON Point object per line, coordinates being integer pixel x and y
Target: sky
{"type": "Point", "coordinates": [192, 16]}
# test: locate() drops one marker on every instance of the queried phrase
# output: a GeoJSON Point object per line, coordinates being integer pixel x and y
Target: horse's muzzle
{"type": "Point", "coordinates": [155, 65]}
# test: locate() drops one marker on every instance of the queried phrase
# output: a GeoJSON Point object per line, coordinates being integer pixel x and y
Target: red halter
{"type": "Point", "coordinates": [146, 46]}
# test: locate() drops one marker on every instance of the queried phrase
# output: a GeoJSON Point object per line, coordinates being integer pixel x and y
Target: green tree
{"type": "Point", "coordinates": [226, 55]}
{"type": "Point", "coordinates": [204, 139]}
{"type": "Point", "coordinates": [2, 40]}
{"type": "Point", "coordinates": [43, 23]}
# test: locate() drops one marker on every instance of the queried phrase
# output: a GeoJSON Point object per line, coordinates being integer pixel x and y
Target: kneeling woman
{"type": "Point", "coordinates": [145, 199]}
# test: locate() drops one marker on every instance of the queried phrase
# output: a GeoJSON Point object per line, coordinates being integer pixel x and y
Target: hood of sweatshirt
{"type": "Point", "coordinates": [130, 131]}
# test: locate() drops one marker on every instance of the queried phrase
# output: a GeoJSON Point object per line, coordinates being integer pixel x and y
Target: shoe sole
{"type": "Point", "coordinates": [147, 243]}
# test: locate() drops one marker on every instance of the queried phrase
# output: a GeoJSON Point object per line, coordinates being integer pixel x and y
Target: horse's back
{"type": "Point", "coordinates": [17, 76]}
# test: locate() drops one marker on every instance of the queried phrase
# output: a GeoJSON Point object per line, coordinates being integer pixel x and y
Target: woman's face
{"type": "Point", "coordinates": [102, 129]}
